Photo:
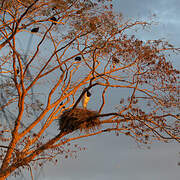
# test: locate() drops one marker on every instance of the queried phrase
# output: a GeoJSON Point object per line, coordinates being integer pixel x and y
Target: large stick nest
{"type": "Point", "coordinates": [79, 119]}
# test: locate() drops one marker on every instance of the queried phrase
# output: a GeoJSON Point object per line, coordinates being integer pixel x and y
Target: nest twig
{"type": "Point", "coordinates": [79, 119]}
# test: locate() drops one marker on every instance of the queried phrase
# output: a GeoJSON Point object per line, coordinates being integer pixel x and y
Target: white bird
{"type": "Point", "coordinates": [85, 99]}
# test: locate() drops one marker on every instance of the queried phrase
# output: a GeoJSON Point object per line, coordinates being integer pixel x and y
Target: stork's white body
{"type": "Point", "coordinates": [85, 100]}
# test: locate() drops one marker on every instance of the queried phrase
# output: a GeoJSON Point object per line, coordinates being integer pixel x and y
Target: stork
{"type": "Point", "coordinates": [85, 99]}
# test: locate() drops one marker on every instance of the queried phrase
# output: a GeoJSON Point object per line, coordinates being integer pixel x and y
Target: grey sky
{"type": "Point", "coordinates": [110, 157]}
{"type": "Point", "coordinates": [167, 14]}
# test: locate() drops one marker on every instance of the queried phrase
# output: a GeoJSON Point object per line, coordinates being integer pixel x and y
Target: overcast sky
{"type": "Point", "coordinates": [110, 157]}
{"type": "Point", "coordinates": [119, 158]}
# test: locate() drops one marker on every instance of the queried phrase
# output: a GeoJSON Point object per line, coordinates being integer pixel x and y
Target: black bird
{"type": "Point", "coordinates": [53, 19]}
{"type": "Point", "coordinates": [78, 58]}
{"type": "Point", "coordinates": [35, 30]}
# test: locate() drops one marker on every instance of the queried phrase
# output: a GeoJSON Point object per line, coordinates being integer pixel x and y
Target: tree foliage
{"type": "Point", "coordinates": [52, 53]}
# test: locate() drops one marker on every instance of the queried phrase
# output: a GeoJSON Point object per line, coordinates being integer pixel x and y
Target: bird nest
{"type": "Point", "coordinates": [79, 119]}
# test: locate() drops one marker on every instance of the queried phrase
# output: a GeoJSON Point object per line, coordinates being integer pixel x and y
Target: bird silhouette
{"type": "Point", "coordinates": [78, 58]}
{"type": "Point", "coordinates": [35, 30]}
{"type": "Point", "coordinates": [53, 19]}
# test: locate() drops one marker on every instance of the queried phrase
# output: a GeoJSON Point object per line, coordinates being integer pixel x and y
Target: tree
{"type": "Point", "coordinates": [76, 47]}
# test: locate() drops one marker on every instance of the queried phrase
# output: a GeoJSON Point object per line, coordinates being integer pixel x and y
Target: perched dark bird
{"type": "Point", "coordinates": [78, 58]}
{"type": "Point", "coordinates": [35, 30]}
{"type": "Point", "coordinates": [53, 19]}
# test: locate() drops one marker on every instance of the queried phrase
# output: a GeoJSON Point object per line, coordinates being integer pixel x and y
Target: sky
{"type": "Point", "coordinates": [111, 157]}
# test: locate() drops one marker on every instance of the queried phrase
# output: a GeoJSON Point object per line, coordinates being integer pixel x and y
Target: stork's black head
{"type": "Point", "coordinates": [88, 94]}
